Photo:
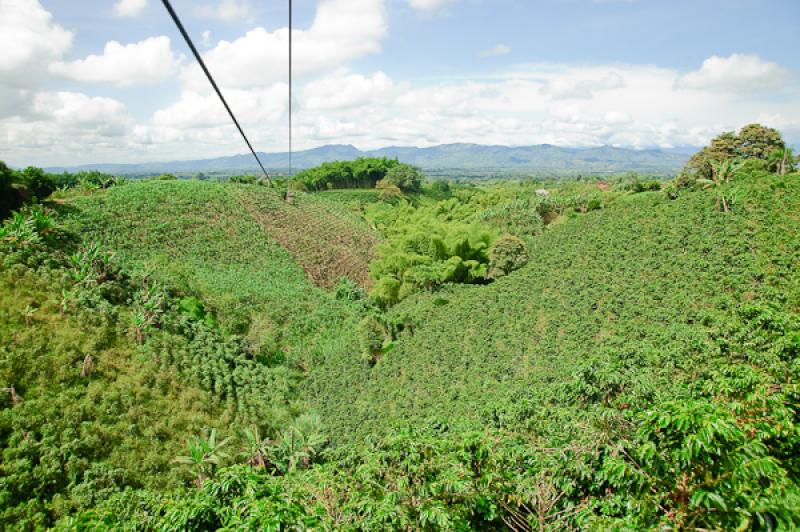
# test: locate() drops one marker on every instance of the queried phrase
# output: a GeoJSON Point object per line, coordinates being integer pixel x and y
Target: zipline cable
{"type": "Point", "coordinates": [188, 40]}
{"type": "Point", "coordinates": [290, 88]}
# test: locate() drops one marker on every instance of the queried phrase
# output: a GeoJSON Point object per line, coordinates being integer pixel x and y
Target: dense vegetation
{"type": "Point", "coordinates": [615, 354]}
{"type": "Point", "coordinates": [365, 172]}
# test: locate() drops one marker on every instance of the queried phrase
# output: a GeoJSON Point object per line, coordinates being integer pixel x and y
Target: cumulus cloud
{"type": "Point", "coordinates": [574, 105]}
{"type": "Point", "coordinates": [204, 110]}
{"type": "Point", "coordinates": [74, 109]}
{"type": "Point", "coordinates": [129, 8]}
{"type": "Point", "coordinates": [500, 49]}
{"type": "Point", "coordinates": [226, 10]}
{"type": "Point", "coordinates": [344, 90]}
{"type": "Point", "coordinates": [737, 73]}
{"type": "Point", "coordinates": [342, 30]}
{"type": "Point", "coordinates": [29, 40]}
{"type": "Point", "coordinates": [62, 124]}
{"type": "Point", "coordinates": [146, 62]}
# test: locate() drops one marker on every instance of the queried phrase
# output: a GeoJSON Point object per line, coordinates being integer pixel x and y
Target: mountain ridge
{"type": "Point", "coordinates": [539, 159]}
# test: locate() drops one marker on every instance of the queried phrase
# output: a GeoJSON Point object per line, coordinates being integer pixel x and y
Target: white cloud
{"type": "Point", "coordinates": [129, 8]}
{"type": "Point", "coordinates": [147, 62]}
{"type": "Point", "coordinates": [630, 106]}
{"type": "Point", "coordinates": [226, 10]}
{"type": "Point", "coordinates": [500, 49]}
{"type": "Point", "coordinates": [74, 109]}
{"type": "Point", "coordinates": [737, 73]}
{"type": "Point", "coordinates": [63, 124]}
{"type": "Point", "coordinates": [343, 90]}
{"type": "Point", "coordinates": [206, 38]}
{"type": "Point", "coordinates": [585, 89]}
{"type": "Point", "coordinates": [29, 40]}
{"type": "Point", "coordinates": [252, 106]}
{"type": "Point", "coordinates": [342, 30]}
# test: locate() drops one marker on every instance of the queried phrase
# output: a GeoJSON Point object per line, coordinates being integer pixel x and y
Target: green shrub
{"type": "Point", "coordinates": [244, 179]}
{"type": "Point", "coordinates": [371, 337]}
{"type": "Point", "coordinates": [405, 177]}
{"type": "Point", "coordinates": [9, 198]}
{"type": "Point", "coordinates": [508, 253]}
{"type": "Point", "coordinates": [424, 252]}
{"type": "Point", "coordinates": [39, 184]}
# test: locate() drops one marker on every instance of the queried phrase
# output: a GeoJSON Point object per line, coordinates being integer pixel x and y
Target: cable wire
{"type": "Point", "coordinates": [290, 89]}
{"type": "Point", "coordinates": [188, 40]}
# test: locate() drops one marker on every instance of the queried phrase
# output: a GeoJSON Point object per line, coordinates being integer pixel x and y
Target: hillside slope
{"type": "Point", "coordinates": [629, 299]}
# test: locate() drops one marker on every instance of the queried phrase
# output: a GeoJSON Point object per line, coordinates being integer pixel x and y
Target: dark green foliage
{"type": "Point", "coordinates": [754, 142]}
{"type": "Point", "coordinates": [440, 188]}
{"type": "Point", "coordinates": [508, 253]}
{"type": "Point", "coordinates": [405, 177]}
{"type": "Point", "coordinates": [10, 198]}
{"type": "Point", "coordinates": [244, 179]}
{"type": "Point", "coordinates": [757, 142]}
{"type": "Point", "coordinates": [39, 184]}
{"type": "Point", "coordinates": [371, 337]}
{"type": "Point", "coordinates": [643, 186]}
{"type": "Point", "coordinates": [364, 172]}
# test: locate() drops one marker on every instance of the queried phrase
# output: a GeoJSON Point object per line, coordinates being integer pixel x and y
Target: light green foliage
{"type": "Point", "coordinates": [639, 372]}
{"type": "Point", "coordinates": [204, 455]}
{"type": "Point", "coordinates": [507, 254]}
{"type": "Point", "coordinates": [93, 414]}
{"type": "Point", "coordinates": [572, 352]}
{"type": "Point", "coordinates": [424, 250]}
{"type": "Point", "coordinates": [222, 379]}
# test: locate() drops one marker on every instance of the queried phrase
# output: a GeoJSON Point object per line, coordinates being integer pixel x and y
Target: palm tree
{"type": "Point", "coordinates": [204, 456]}
{"type": "Point", "coordinates": [721, 174]}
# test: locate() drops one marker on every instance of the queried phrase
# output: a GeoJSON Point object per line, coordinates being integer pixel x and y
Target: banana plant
{"type": "Point", "coordinates": [204, 456]}
{"type": "Point", "coordinates": [722, 172]}
{"type": "Point", "coordinates": [257, 450]}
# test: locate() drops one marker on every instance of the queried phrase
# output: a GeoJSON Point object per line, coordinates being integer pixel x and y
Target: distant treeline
{"type": "Point", "coordinates": [365, 172]}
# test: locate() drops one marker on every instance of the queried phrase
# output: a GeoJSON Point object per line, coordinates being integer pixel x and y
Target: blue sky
{"type": "Point", "coordinates": [97, 81]}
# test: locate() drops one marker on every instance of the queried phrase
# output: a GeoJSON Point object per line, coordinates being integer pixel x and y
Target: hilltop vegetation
{"type": "Point", "coordinates": [606, 354]}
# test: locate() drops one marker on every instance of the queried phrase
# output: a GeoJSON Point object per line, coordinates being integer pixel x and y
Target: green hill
{"type": "Point", "coordinates": [641, 371]}
{"type": "Point", "coordinates": [222, 242]}
{"type": "Point", "coordinates": [630, 298]}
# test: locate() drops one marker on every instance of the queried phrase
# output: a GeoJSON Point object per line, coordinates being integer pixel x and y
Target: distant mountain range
{"type": "Point", "coordinates": [542, 159]}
